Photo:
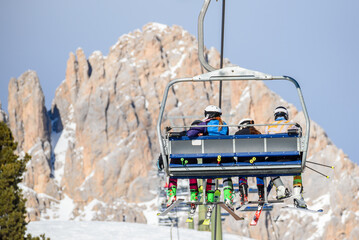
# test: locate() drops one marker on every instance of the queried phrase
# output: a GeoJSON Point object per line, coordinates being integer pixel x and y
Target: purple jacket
{"type": "Point", "coordinates": [194, 131]}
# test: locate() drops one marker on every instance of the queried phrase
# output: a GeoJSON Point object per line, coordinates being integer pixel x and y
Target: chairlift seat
{"type": "Point", "coordinates": [277, 154]}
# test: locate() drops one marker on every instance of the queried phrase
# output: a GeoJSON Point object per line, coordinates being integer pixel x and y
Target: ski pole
{"type": "Point", "coordinates": [321, 164]}
{"type": "Point", "coordinates": [317, 172]}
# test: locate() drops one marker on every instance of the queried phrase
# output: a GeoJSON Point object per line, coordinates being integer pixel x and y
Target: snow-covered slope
{"type": "Point", "coordinates": [67, 230]}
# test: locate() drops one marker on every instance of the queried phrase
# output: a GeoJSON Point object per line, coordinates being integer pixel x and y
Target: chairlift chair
{"type": "Point", "coordinates": [285, 154]}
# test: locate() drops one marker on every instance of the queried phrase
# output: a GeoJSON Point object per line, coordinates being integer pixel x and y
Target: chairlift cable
{"type": "Point", "coordinates": [220, 103]}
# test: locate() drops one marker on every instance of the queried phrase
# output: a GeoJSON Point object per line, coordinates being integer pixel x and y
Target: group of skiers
{"type": "Point", "coordinates": [216, 127]}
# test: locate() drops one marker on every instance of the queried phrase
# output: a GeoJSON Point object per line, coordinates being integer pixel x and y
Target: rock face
{"type": "Point", "coordinates": [3, 115]}
{"type": "Point", "coordinates": [94, 152]}
{"type": "Point", "coordinates": [31, 128]}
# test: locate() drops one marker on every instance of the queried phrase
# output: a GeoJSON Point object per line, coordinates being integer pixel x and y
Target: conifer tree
{"type": "Point", "coordinates": [12, 202]}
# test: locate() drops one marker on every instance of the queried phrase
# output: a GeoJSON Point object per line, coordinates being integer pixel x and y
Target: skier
{"type": "Point", "coordinates": [281, 117]}
{"type": "Point", "coordinates": [172, 187]}
{"type": "Point", "coordinates": [213, 117]}
{"type": "Point", "coordinates": [243, 185]}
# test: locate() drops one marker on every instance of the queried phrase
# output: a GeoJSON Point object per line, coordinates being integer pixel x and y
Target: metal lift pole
{"type": "Point", "coordinates": [209, 68]}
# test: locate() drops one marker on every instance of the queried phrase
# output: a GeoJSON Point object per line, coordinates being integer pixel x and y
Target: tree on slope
{"type": "Point", "coordinates": [12, 202]}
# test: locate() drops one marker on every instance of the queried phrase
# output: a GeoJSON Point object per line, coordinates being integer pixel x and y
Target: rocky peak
{"type": "Point", "coordinates": [30, 125]}
{"type": "Point", "coordinates": [28, 118]}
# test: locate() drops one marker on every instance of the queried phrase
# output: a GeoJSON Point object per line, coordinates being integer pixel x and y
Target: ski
{"type": "Point", "coordinates": [234, 215]}
{"type": "Point", "coordinates": [303, 209]}
{"type": "Point", "coordinates": [255, 208]}
{"type": "Point", "coordinates": [195, 203]}
{"type": "Point", "coordinates": [191, 213]}
{"type": "Point", "coordinates": [207, 220]}
{"type": "Point", "coordinates": [247, 207]}
{"type": "Point", "coordinates": [269, 201]}
{"type": "Point", "coordinates": [260, 206]}
{"type": "Point", "coordinates": [242, 207]}
{"type": "Point", "coordinates": [189, 219]}
{"type": "Point", "coordinates": [167, 210]}
{"type": "Point", "coordinates": [257, 215]}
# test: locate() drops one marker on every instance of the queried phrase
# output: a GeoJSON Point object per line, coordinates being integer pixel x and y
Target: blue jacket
{"type": "Point", "coordinates": [210, 131]}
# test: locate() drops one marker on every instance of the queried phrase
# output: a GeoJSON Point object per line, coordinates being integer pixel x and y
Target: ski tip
{"type": "Point", "coordinates": [253, 224]}
{"type": "Point", "coordinates": [320, 210]}
{"type": "Point", "coordinates": [158, 214]}
{"type": "Point", "coordinates": [206, 222]}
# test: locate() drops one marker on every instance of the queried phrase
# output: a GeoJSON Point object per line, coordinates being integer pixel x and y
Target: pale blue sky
{"type": "Point", "coordinates": [316, 42]}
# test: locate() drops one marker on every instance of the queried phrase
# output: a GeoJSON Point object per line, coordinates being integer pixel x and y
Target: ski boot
{"type": "Point", "coordinates": [209, 211]}
{"type": "Point", "coordinates": [228, 198]}
{"type": "Point", "coordinates": [209, 200]}
{"type": "Point", "coordinates": [194, 195]}
{"type": "Point", "coordinates": [207, 220]}
{"type": "Point", "coordinates": [260, 193]}
{"type": "Point", "coordinates": [194, 198]}
{"type": "Point", "coordinates": [193, 206]}
{"type": "Point", "coordinates": [200, 192]}
{"type": "Point", "coordinates": [298, 197]}
{"type": "Point", "coordinates": [217, 195]}
{"type": "Point", "coordinates": [191, 213]}
{"type": "Point", "coordinates": [243, 193]}
{"type": "Point", "coordinates": [282, 192]}
{"type": "Point", "coordinates": [210, 196]}
{"type": "Point", "coordinates": [171, 196]}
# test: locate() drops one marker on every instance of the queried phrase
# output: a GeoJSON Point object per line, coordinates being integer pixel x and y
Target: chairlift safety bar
{"type": "Point", "coordinates": [244, 125]}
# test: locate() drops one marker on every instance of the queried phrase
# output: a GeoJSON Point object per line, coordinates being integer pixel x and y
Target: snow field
{"type": "Point", "coordinates": [91, 230]}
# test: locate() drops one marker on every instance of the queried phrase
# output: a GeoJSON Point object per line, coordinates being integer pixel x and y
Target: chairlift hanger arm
{"type": "Point", "coordinates": [306, 116]}
{"type": "Point", "coordinates": [201, 16]}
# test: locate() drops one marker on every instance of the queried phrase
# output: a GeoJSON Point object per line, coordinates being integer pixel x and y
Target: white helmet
{"type": "Point", "coordinates": [245, 121]}
{"type": "Point", "coordinates": [281, 111]}
{"type": "Point", "coordinates": [212, 111]}
{"type": "Point", "coordinates": [213, 108]}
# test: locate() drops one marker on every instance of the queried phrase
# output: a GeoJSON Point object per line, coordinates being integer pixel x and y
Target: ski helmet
{"type": "Point", "coordinates": [212, 111]}
{"type": "Point", "coordinates": [281, 111]}
{"type": "Point", "coordinates": [196, 122]}
{"type": "Point", "coordinates": [245, 121]}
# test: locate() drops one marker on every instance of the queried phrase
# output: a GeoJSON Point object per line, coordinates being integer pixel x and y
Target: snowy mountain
{"type": "Point", "coordinates": [94, 152]}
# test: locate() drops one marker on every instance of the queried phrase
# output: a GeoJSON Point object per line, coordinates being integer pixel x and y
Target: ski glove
{"type": "Point", "coordinates": [160, 162]}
